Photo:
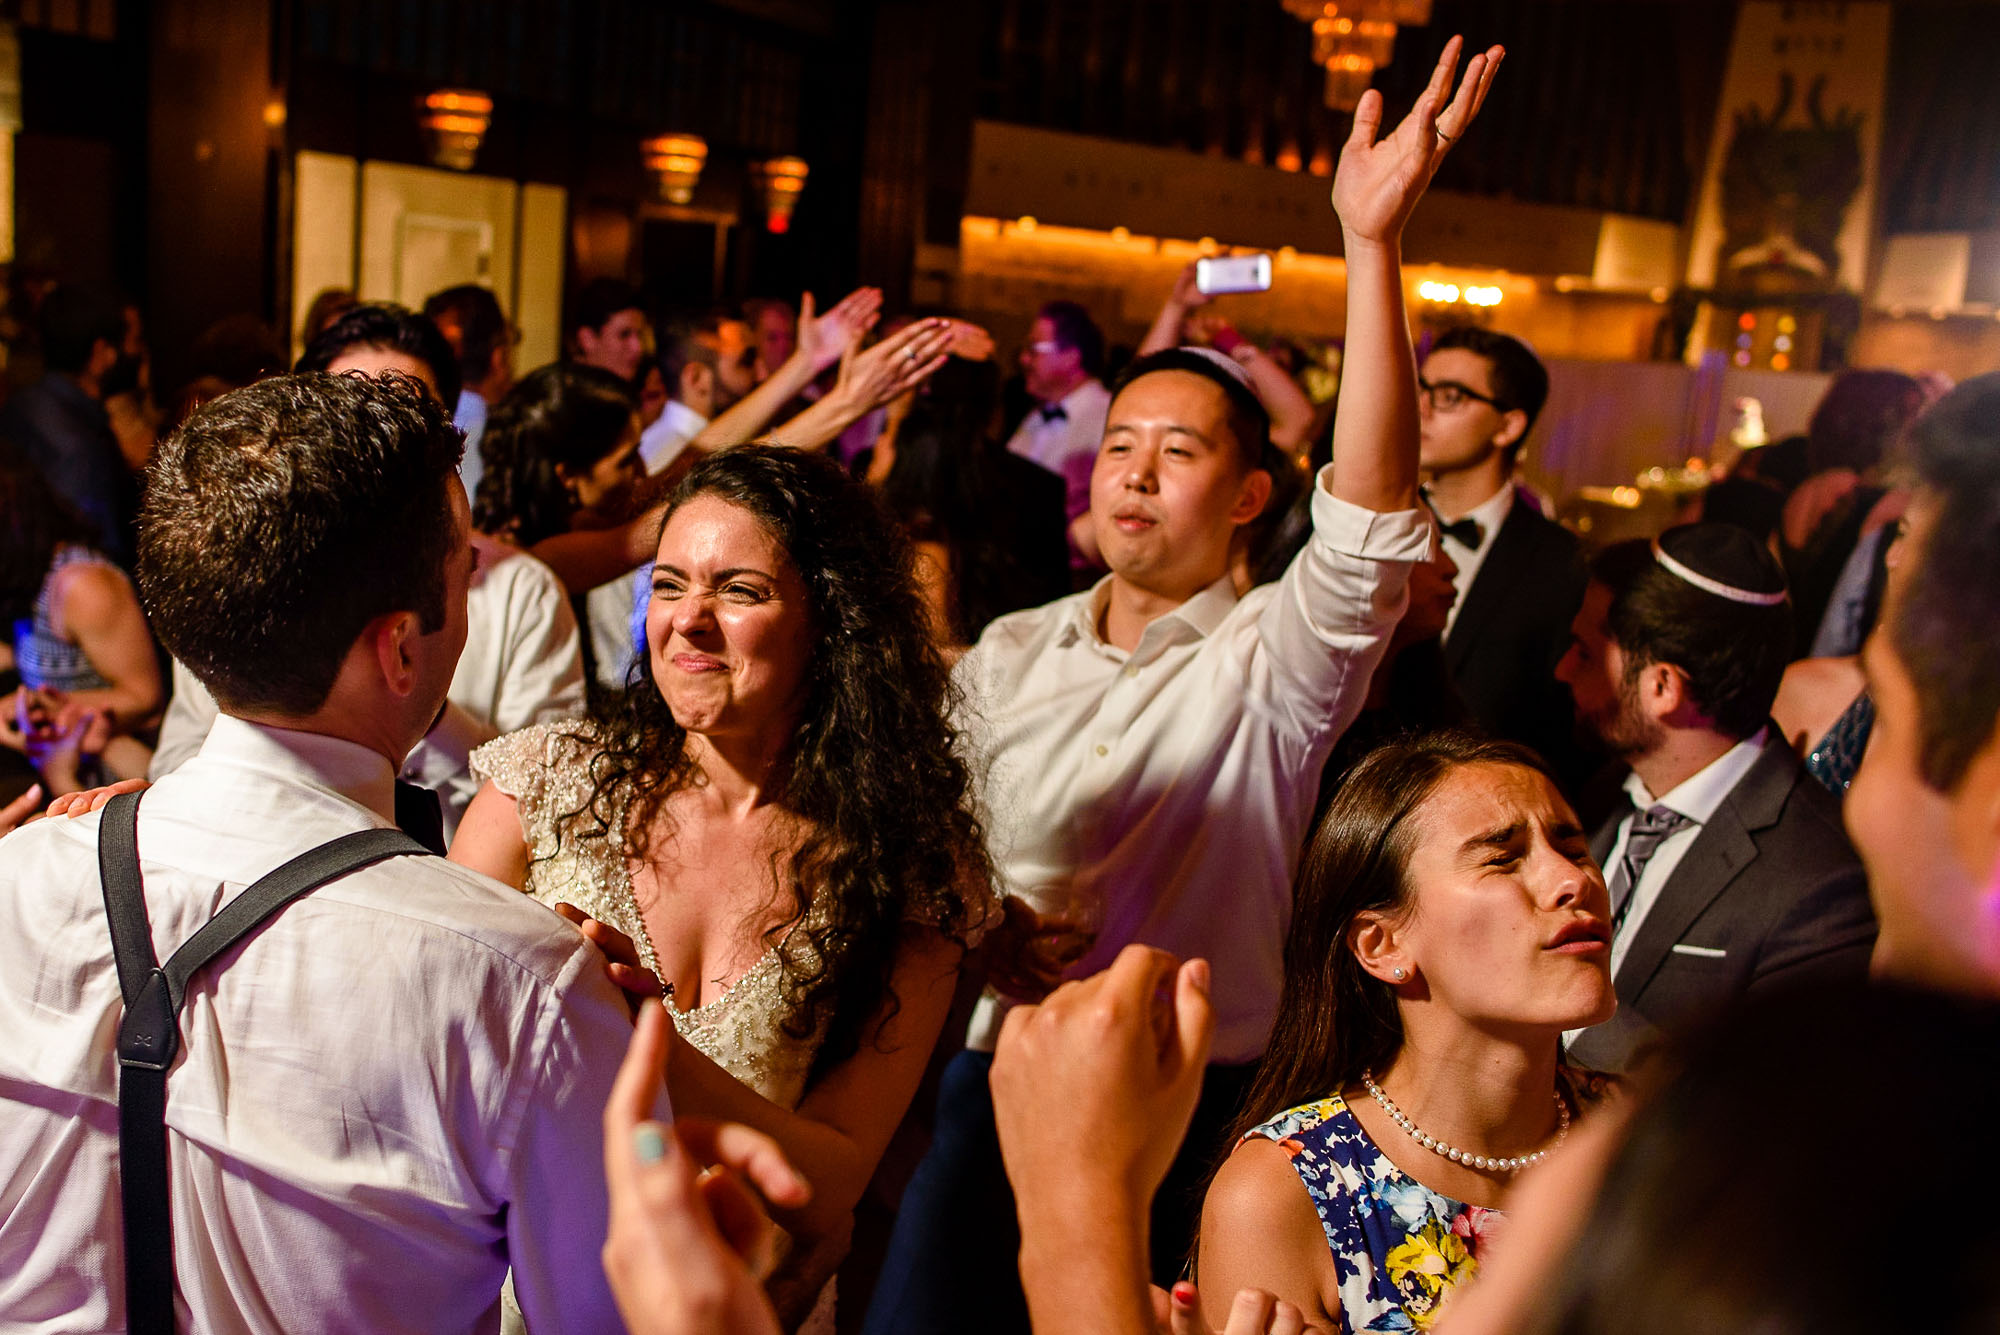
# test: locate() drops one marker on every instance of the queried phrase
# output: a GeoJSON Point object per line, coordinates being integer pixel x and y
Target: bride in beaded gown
{"type": "Point", "coordinates": [747, 815]}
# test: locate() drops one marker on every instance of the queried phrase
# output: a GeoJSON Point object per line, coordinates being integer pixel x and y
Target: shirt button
{"type": "Point", "coordinates": [1103, 750]}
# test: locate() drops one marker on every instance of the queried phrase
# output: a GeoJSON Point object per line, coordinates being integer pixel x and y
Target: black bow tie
{"type": "Point", "coordinates": [1465, 532]}
{"type": "Point", "coordinates": [1054, 412]}
{"type": "Point", "coordinates": [420, 815]}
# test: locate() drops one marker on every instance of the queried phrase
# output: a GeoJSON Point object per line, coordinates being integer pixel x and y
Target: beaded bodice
{"type": "Point", "coordinates": [545, 769]}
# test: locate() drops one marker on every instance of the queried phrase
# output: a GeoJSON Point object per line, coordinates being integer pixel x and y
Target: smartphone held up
{"type": "Point", "coordinates": [1224, 274]}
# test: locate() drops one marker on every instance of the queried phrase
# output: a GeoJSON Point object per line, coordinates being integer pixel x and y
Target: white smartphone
{"type": "Point", "coordinates": [1233, 273]}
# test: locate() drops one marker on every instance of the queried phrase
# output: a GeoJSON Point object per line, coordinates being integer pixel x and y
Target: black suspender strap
{"type": "Point", "coordinates": [149, 1035]}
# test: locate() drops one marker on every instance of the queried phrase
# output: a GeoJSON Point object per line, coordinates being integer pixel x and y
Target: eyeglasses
{"type": "Point", "coordinates": [1446, 395]}
{"type": "Point", "coordinates": [1043, 348]}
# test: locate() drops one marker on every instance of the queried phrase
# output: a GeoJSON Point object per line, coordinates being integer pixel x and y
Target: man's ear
{"type": "Point", "coordinates": [696, 381]}
{"type": "Point", "coordinates": [1513, 426]}
{"type": "Point", "coordinates": [392, 636]}
{"type": "Point", "coordinates": [1251, 496]}
{"type": "Point", "coordinates": [1663, 691]}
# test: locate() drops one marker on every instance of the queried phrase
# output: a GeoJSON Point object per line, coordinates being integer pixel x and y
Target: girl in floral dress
{"type": "Point", "coordinates": [1450, 925]}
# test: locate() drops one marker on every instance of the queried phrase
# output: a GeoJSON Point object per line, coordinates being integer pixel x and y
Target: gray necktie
{"type": "Point", "coordinates": [1650, 828]}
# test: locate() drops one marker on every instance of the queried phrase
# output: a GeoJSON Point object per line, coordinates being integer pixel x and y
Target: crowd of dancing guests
{"type": "Point", "coordinates": [744, 833]}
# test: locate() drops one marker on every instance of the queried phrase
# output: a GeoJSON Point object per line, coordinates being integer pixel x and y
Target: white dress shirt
{"type": "Point", "coordinates": [1067, 445]}
{"type": "Point", "coordinates": [388, 1095]}
{"type": "Point", "coordinates": [1695, 797]}
{"type": "Point", "coordinates": [1172, 786]}
{"type": "Point", "coordinates": [1489, 514]}
{"type": "Point", "coordinates": [522, 664]}
{"type": "Point", "coordinates": [662, 442]}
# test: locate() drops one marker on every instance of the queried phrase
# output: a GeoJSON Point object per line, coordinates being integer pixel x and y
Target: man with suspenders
{"type": "Point", "coordinates": [362, 1088]}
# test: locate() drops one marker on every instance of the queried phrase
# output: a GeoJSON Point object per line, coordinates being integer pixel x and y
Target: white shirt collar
{"type": "Point", "coordinates": [347, 769]}
{"type": "Point", "coordinates": [1204, 613]}
{"type": "Point", "coordinates": [1489, 514]}
{"type": "Point", "coordinates": [1698, 795]}
{"type": "Point", "coordinates": [1088, 388]}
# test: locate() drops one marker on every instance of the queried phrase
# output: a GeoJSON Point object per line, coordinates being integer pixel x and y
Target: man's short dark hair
{"type": "Point", "coordinates": [390, 328]}
{"type": "Point", "coordinates": [1519, 378]}
{"type": "Point", "coordinates": [1075, 329]}
{"type": "Point", "coordinates": [598, 301]}
{"type": "Point", "coordinates": [281, 518]}
{"type": "Point", "coordinates": [482, 327]}
{"type": "Point", "coordinates": [1248, 422]}
{"type": "Point", "coordinates": [1733, 653]}
{"type": "Point", "coordinates": [1946, 623]}
{"type": "Point", "coordinates": [684, 347]}
{"type": "Point", "coordinates": [73, 319]}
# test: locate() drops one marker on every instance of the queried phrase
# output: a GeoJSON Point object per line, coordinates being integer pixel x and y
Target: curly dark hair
{"type": "Point", "coordinates": [563, 416]}
{"type": "Point", "coordinates": [874, 733]}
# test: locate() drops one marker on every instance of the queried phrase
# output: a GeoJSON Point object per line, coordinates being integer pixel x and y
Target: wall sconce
{"type": "Point", "coordinates": [454, 121]}
{"type": "Point", "coordinates": [675, 161]}
{"type": "Point", "coordinates": [783, 180]}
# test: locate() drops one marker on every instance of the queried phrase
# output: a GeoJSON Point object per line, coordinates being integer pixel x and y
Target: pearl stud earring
{"type": "Point", "coordinates": [1401, 974]}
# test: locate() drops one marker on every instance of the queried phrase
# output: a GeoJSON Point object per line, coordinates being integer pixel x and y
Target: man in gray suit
{"type": "Point", "coordinates": [1729, 872]}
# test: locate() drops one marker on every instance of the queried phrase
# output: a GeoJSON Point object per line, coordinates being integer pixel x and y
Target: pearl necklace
{"type": "Point", "coordinates": [1480, 1161]}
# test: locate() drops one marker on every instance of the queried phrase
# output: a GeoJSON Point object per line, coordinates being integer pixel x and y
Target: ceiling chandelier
{"type": "Point", "coordinates": [1354, 38]}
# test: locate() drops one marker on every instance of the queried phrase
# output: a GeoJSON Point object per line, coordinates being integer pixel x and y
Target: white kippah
{"type": "Point", "coordinates": [1229, 364]}
{"type": "Point", "coordinates": [1714, 586]}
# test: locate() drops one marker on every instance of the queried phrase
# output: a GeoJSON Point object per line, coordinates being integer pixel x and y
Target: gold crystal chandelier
{"type": "Point", "coordinates": [1354, 38]}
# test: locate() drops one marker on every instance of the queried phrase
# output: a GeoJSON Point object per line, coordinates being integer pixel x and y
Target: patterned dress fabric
{"type": "Point", "coordinates": [1838, 756]}
{"type": "Point", "coordinates": [46, 660]}
{"type": "Point", "coordinates": [546, 770]}
{"type": "Point", "coordinates": [1399, 1248]}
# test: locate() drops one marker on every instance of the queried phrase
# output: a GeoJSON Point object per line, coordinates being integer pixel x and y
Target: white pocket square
{"type": "Point", "coordinates": [1699, 952]}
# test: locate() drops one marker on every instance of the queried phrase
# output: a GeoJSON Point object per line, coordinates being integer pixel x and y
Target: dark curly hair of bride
{"type": "Point", "coordinates": [872, 770]}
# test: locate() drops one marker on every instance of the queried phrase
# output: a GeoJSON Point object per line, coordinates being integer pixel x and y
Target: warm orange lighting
{"type": "Point", "coordinates": [674, 161]}
{"type": "Point", "coordinates": [455, 120]}
{"type": "Point", "coordinates": [784, 180]}
{"type": "Point", "coordinates": [1780, 362]}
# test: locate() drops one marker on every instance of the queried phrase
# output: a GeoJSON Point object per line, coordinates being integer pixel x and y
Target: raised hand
{"type": "Point", "coordinates": [823, 338]}
{"type": "Point", "coordinates": [1187, 291]}
{"type": "Point", "coordinates": [1379, 181]}
{"type": "Point", "coordinates": [686, 1250]}
{"type": "Point", "coordinates": [895, 366]}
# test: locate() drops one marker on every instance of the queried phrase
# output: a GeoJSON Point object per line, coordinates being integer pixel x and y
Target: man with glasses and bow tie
{"type": "Point", "coordinates": [1728, 870]}
{"type": "Point", "coordinates": [1060, 364]}
{"type": "Point", "coordinates": [1520, 575]}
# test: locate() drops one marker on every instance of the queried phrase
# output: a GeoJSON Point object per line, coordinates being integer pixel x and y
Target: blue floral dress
{"type": "Point", "coordinates": [1398, 1247]}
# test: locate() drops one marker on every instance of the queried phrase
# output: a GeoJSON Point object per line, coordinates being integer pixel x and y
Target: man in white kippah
{"type": "Point", "coordinates": [1728, 870]}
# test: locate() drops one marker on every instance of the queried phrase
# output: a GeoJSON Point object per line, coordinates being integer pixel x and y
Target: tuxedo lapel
{"type": "Point", "coordinates": [1500, 572]}
{"type": "Point", "coordinates": [1718, 856]}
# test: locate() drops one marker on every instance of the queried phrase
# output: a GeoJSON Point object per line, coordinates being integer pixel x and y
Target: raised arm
{"type": "Point", "coordinates": [869, 379]}
{"type": "Point", "coordinates": [1166, 330]}
{"type": "Point", "coordinates": [1376, 187]}
{"type": "Point", "coordinates": [821, 340]}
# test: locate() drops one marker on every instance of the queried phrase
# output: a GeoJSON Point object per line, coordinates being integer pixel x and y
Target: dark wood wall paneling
{"type": "Point", "coordinates": [578, 83]}
{"type": "Point", "coordinates": [1602, 106]}
{"type": "Point", "coordinates": [1941, 137]}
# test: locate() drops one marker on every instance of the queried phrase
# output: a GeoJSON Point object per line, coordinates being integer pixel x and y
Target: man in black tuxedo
{"type": "Point", "coordinates": [1520, 575]}
{"type": "Point", "coordinates": [1729, 872]}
